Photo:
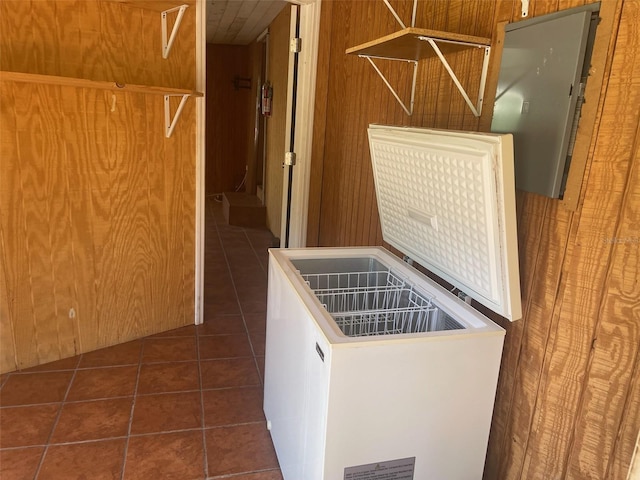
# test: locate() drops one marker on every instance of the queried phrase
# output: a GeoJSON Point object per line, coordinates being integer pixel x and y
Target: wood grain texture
{"type": "Point", "coordinates": [255, 146]}
{"type": "Point", "coordinates": [276, 137]}
{"type": "Point", "coordinates": [96, 40]}
{"type": "Point", "coordinates": [83, 83]}
{"type": "Point", "coordinates": [92, 256]}
{"type": "Point", "coordinates": [568, 400]}
{"type": "Point", "coordinates": [97, 207]}
{"type": "Point", "coordinates": [228, 124]}
{"type": "Point", "coordinates": [605, 347]}
{"type": "Point", "coordinates": [319, 126]}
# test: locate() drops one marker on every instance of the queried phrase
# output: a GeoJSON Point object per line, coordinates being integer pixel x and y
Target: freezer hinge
{"type": "Point", "coordinates": [295, 46]}
{"type": "Point", "coordinates": [407, 260]}
{"type": "Point", "coordinates": [464, 297]}
{"type": "Point", "coordinates": [289, 159]}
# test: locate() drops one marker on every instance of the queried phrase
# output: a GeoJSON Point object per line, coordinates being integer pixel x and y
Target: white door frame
{"type": "Point", "coordinates": [201, 83]}
{"type": "Point", "coordinates": [305, 106]}
{"type": "Point", "coordinates": [307, 67]}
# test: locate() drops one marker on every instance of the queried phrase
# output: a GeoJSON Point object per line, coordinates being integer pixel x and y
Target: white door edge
{"type": "Point", "coordinates": [307, 69]}
{"type": "Point", "coordinates": [289, 122]}
{"type": "Point", "coordinates": [201, 76]}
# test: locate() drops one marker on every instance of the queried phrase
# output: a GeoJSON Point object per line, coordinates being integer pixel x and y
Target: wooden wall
{"type": "Point", "coordinates": [227, 123]}
{"type": "Point", "coordinates": [568, 401]}
{"type": "Point", "coordinates": [97, 207]}
{"type": "Point", "coordinates": [278, 61]}
{"type": "Point", "coordinates": [255, 147]}
{"type": "Point", "coordinates": [112, 40]}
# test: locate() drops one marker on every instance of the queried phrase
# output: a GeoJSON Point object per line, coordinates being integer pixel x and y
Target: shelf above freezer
{"type": "Point", "coordinates": [411, 44]}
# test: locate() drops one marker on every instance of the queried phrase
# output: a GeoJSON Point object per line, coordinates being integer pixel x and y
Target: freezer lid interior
{"type": "Point", "coordinates": [447, 200]}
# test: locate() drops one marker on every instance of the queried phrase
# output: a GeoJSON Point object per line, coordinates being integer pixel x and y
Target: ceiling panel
{"type": "Point", "coordinates": [239, 22]}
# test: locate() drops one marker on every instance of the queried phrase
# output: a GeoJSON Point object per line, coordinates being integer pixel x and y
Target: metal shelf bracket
{"type": "Point", "coordinates": [397, 17]}
{"type": "Point", "coordinates": [167, 43]}
{"type": "Point", "coordinates": [170, 123]}
{"type": "Point", "coordinates": [477, 108]}
{"type": "Point", "coordinates": [433, 42]}
{"type": "Point", "coordinates": [408, 110]}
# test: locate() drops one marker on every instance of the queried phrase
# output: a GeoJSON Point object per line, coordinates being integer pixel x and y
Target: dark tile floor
{"type": "Point", "coordinates": [184, 404]}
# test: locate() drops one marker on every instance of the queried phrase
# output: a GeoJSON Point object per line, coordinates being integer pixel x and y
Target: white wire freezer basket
{"type": "Point", "coordinates": [377, 303]}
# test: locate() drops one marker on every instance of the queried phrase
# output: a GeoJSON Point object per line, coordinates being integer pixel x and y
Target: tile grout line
{"type": "Point", "coordinates": [255, 253]}
{"type": "Point", "coordinates": [231, 476]}
{"type": "Point", "coordinates": [255, 361]}
{"type": "Point", "coordinates": [235, 291]}
{"type": "Point", "coordinates": [255, 357]}
{"type": "Point", "coordinates": [131, 412]}
{"type": "Point", "coordinates": [55, 422]}
{"type": "Point", "coordinates": [205, 458]}
{"type": "Point", "coordinates": [231, 258]}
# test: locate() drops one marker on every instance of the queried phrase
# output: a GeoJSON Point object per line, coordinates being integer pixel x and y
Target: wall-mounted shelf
{"type": "Point", "coordinates": [167, 92]}
{"type": "Point", "coordinates": [414, 44]}
{"type": "Point", "coordinates": [406, 44]}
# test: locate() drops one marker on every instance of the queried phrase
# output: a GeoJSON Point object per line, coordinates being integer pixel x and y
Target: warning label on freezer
{"type": "Point", "coordinates": [391, 470]}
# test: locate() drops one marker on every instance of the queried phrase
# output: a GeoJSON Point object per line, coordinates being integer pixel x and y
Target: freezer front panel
{"type": "Point", "coordinates": [335, 401]}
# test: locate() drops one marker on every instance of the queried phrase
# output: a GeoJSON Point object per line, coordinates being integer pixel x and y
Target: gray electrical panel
{"type": "Point", "coordinates": [540, 92]}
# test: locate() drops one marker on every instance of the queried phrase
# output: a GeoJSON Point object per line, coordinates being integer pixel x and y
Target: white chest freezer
{"type": "Point", "coordinates": [372, 370]}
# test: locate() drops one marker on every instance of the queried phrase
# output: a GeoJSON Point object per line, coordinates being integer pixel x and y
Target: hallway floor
{"type": "Point", "coordinates": [184, 404]}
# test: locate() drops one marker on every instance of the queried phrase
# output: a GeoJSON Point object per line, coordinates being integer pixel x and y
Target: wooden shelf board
{"type": "Point", "coordinates": [404, 44]}
{"type": "Point", "coordinates": [156, 6]}
{"type": "Point", "coordinates": [98, 84]}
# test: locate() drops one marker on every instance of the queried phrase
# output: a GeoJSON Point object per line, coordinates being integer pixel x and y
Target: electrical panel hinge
{"type": "Point", "coordinates": [295, 46]}
{"type": "Point", "coordinates": [290, 159]}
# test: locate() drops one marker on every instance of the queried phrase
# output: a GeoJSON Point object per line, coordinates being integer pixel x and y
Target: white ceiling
{"type": "Point", "coordinates": [239, 22]}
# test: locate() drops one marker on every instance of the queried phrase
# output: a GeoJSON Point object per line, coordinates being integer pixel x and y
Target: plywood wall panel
{"type": "Point", "coordinates": [531, 219]}
{"type": "Point", "coordinates": [610, 387]}
{"type": "Point", "coordinates": [619, 462]}
{"type": "Point", "coordinates": [98, 40]}
{"type": "Point", "coordinates": [8, 353]}
{"type": "Point", "coordinates": [556, 385]}
{"type": "Point", "coordinates": [86, 262]}
{"type": "Point", "coordinates": [319, 125]}
{"type": "Point", "coordinates": [12, 273]}
{"type": "Point", "coordinates": [357, 171]}
{"type": "Point", "coordinates": [569, 352]}
{"type": "Point", "coordinates": [539, 311]}
{"type": "Point", "coordinates": [255, 149]}
{"type": "Point", "coordinates": [228, 125]}
{"type": "Point", "coordinates": [186, 241]}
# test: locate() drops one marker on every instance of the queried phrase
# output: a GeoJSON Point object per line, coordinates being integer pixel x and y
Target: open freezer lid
{"type": "Point", "coordinates": [447, 200]}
